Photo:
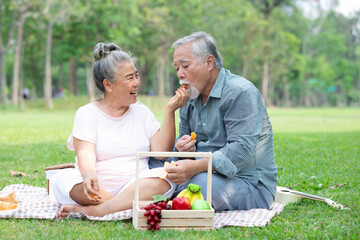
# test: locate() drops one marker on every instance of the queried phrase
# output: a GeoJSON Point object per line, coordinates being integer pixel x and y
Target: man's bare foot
{"type": "Point", "coordinates": [88, 210]}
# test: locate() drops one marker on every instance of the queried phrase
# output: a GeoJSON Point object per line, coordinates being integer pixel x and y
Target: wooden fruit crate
{"type": "Point", "coordinates": [175, 219]}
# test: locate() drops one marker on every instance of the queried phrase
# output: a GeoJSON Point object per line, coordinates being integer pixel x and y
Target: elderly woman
{"type": "Point", "coordinates": [106, 136]}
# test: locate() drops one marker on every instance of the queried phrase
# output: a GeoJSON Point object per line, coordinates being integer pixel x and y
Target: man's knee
{"type": "Point", "coordinates": [224, 191]}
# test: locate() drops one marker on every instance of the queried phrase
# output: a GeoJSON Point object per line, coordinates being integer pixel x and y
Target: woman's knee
{"type": "Point", "coordinates": [155, 185]}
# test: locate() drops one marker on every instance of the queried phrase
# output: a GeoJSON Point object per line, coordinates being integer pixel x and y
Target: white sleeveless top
{"type": "Point", "coordinates": [117, 141]}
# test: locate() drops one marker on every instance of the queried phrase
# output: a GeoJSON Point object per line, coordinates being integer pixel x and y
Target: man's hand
{"type": "Point", "coordinates": [185, 144]}
{"type": "Point", "coordinates": [182, 172]}
{"type": "Point", "coordinates": [186, 169]}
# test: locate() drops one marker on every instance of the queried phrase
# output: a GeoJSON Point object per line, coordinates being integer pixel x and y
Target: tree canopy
{"type": "Point", "coordinates": [46, 46]}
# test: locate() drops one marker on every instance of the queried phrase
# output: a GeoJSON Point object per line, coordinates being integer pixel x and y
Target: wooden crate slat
{"type": "Point", "coordinates": [182, 214]}
{"type": "Point", "coordinates": [184, 222]}
{"type": "Point", "coordinates": [179, 228]}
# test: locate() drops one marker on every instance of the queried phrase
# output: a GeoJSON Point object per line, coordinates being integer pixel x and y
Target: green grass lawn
{"type": "Point", "coordinates": [315, 149]}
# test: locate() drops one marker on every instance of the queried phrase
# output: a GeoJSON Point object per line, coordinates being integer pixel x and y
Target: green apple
{"type": "Point", "coordinates": [200, 204]}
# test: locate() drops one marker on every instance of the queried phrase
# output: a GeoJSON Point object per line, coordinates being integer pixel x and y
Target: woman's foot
{"type": "Point", "coordinates": [88, 210]}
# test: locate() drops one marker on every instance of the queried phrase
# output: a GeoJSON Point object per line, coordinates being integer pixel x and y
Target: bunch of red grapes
{"type": "Point", "coordinates": [153, 213]}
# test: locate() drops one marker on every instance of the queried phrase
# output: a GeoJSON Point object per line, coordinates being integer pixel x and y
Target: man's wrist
{"type": "Point", "coordinates": [201, 165]}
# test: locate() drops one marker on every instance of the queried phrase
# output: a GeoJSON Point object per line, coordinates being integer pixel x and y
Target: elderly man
{"type": "Point", "coordinates": [229, 117]}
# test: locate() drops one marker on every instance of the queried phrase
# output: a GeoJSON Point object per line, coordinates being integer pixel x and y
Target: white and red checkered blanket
{"type": "Point", "coordinates": [34, 203]}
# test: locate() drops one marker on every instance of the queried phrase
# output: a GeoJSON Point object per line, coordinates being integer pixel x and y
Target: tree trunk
{"type": "Point", "coordinates": [47, 81]}
{"type": "Point", "coordinates": [302, 91]}
{"type": "Point", "coordinates": [245, 67]}
{"type": "Point", "coordinates": [21, 76]}
{"type": "Point", "coordinates": [3, 87]}
{"type": "Point", "coordinates": [160, 76]}
{"type": "Point", "coordinates": [76, 84]}
{"type": "Point", "coordinates": [307, 101]}
{"type": "Point", "coordinates": [160, 72]}
{"type": "Point", "coordinates": [71, 75]}
{"type": "Point", "coordinates": [339, 96]}
{"type": "Point", "coordinates": [144, 72]}
{"type": "Point", "coordinates": [18, 50]}
{"type": "Point", "coordinates": [61, 76]}
{"type": "Point", "coordinates": [286, 93]}
{"type": "Point", "coordinates": [169, 82]}
{"type": "Point", "coordinates": [305, 91]}
{"type": "Point", "coordinates": [265, 83]}
{"type": "Point", "coordinates": [3, 50]}
{"type": "Point", "coordinates": [266, 50]}
{"type": "Point", "coordinates": [90, 82]}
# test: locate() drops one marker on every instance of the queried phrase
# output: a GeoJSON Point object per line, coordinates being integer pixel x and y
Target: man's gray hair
{"type": "Point", "coordinates": [203, 45]}
{"type": "Point", "coordinates": [107, 56]}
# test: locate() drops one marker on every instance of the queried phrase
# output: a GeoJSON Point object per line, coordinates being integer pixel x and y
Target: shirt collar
{"type": "Point", "coordinates": [218, 86]}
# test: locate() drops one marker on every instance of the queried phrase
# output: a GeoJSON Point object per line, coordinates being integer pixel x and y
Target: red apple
{"type": "Point", "coordinates": [181, 203]}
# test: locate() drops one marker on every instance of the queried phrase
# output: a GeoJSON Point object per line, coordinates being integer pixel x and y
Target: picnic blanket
{"type": "Point", "coordinates": [34, 202]}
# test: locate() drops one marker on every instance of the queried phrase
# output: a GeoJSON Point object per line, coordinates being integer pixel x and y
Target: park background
{"type": "Point", "coordinates": [302, 55]}
{"type": "Point", "coordinates": [297, 52]}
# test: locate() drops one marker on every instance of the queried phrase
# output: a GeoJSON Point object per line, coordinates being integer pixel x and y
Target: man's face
{"type": "Point", "coordinates": [190, 71]}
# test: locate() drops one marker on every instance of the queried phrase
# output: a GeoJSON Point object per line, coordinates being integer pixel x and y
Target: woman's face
{"type": "Point", "coordinates": [126, 84]}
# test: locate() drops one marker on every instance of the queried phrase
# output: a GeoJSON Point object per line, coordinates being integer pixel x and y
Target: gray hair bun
{"type": "Point", "coordinates": [102, 50]}
{"type": "Point", "coordinates": [108, 58]}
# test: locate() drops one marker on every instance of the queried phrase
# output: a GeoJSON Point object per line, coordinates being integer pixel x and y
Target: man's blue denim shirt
{"type": "Point", "coordinates": [234, 125]}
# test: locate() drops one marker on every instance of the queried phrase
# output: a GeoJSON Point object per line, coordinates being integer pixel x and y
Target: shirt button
{"type": "Point", "coordinates": [204, 124]}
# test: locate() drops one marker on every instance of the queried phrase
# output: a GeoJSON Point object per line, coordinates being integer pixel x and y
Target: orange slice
{"type": "Point", "coordinates": [193, 136]}
{"type": "Point", "coordinates": [94, 196]}
{"type": "Point", "coordinates": [7, 206]}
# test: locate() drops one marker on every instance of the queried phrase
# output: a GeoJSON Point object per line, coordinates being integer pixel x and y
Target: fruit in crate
{"type": "Point", "coordinates": [200, 204]}
{"type": "Point", "coordinates": [181, 203]}
{"type": "Point", "coordinates": [153, 211]}
{"type": "Point", "coordinates": [193, 192]}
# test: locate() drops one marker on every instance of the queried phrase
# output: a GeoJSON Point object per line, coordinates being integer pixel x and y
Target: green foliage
{"type": "Point", "coordinates": [315, 148]}
{"type": "Point", "coordinates": [247, 34]}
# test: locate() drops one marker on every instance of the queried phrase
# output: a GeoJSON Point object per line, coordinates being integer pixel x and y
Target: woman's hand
{"type": "Point", "coordinates": [185, 144]}
{"type": "Point", "coordinates": [91, 188]}
{"type": "Point", "coordinates": [179, 100]}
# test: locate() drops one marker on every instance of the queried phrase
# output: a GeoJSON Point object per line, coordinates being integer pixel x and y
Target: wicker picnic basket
{"type": "Point", "coordinates": [51, 171]}
{"type": "Point", "coordinates": [175, 219]}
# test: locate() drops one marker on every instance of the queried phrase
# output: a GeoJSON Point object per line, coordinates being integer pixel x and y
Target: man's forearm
{"type": "Point", "coordinates": [199, 166]}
